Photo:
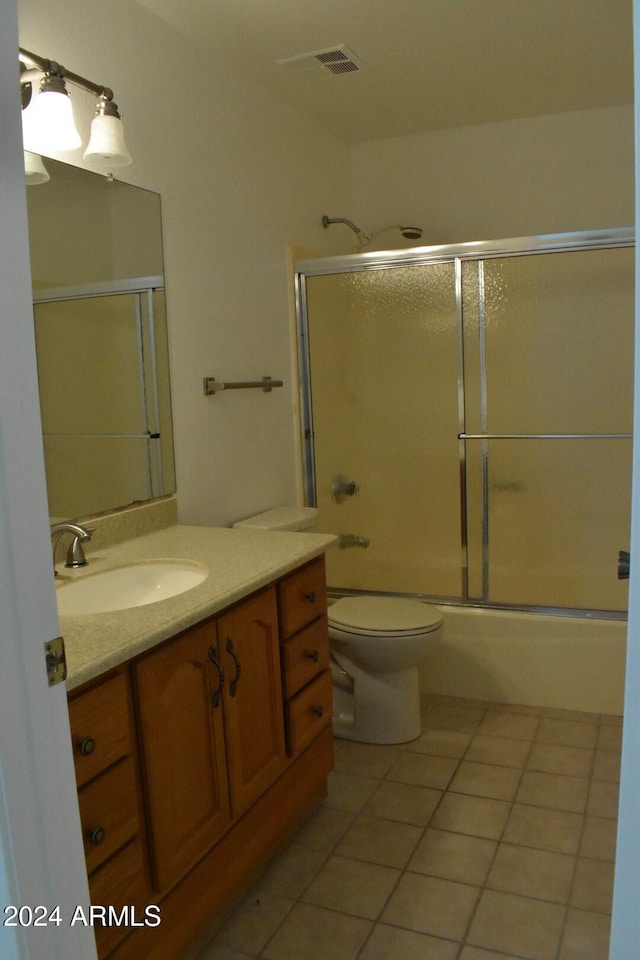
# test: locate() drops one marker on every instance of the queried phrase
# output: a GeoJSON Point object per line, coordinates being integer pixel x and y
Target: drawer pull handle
{"type": "Point", "coordinates": [310, 597]}
{"type": "Point", "coordinates": [97, 835]}
{"type": "Point", "coordinates": [233, 686]}
{"type": "Point", "coordinates": [216, 696]}
{"type": "Point", "coordinates": [87, 746]}
{"type": "Point", "coordinates": [318, 711]}
{"type": "Point", "coordinates": [314, 655]}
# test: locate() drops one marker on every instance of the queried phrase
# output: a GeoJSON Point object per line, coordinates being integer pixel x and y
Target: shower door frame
{"type": "Point", "coordinates": [140, 288]}
{"type": "Point", "coordinates": [457, 254]}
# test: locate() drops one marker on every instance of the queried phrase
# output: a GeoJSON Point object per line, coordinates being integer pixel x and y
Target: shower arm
{"type": "Point", "coordinates": [363, 238]}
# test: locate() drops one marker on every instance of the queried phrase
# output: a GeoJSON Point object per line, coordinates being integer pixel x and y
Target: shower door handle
{"type": "Point", "coordinates": [624, 565]}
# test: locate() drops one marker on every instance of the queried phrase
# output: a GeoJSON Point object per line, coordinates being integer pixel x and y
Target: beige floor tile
{"type": "Point", "coordinates": [603, 799]}
{"type": "Point", "coordinates": [580, 716]}
{"type": "Point", "coordinates": [571, 733]}
{"type": "Point", "coordinates": [453, 856]}
{"type": "Point", "coordinates": [610, 737]}
{"type": "Point", "coordinates": [459, 718]}
{"type": "Point", "coordinates": [556, 758]}
{"type": "Point", "coordinates": [423, 770]}
{"type": "Point", "coordinates": [349, 792]}
{"type": "Point", "coordinates": [485, 780]}
{"type": "Point", "coordinates": [502, 751]}
{"type": "Point", "coordinates": [391, 943]}
{"type": "Point", "coordinates": [292, 871]}
{"type": "Point", "coordinates": [254, 921]}
{"type": "Point", "coordinates": [386, 842]}
{"type": "Point", "coordinates": [440, 908]}
{"type": "Point", "coordinates": [553, 790]}
{"type": "Point", "coordinates": [312, 933]}
{"type": "Point", "coordinates": [352, 886]}
{"type": "Point", "coordinates": [214, 952]}
{"type": "Point", "coordinates": [478, 953]}
{"type": "Point", "coordinates": [476, 816]}
{"type": "Point", "coordinates": [606, 766]}
{"type": "Point", "coordinates": [499, 724]}
{"type": "Point", "coordinates": [365, 760]}
{"type": "Point", "coordinates": [324, 829]}
{"type": "Point", "coordinates": [599, 838]}
{"type": "Point", "coordinates": [440, 743]}
{"type": "Point", "coordinates": [403, 802]}
{"type": "Point", "coordinates": [586, 936]}
{"type": "Point", "coordinates": [532, 873]}
{"type": "Point", "coordinates": [593, 885]}
{"type": "Point", "coordinates": [546, 829]}
{"type": "Point", "coordinates": [517, 925]}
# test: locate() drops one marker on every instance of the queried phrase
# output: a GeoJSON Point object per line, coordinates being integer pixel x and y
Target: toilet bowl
{"type": "Point", "coordinates": [376, 646]}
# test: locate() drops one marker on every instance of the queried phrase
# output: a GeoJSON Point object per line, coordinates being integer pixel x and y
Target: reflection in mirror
{"type": "Point", "coordinates": [101, 339]}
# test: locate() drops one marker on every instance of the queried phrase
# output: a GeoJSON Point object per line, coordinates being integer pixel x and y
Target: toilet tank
{"type": "Point", "coordinates": [282, 518]}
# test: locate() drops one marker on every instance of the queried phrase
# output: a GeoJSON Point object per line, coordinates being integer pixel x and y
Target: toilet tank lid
{"type": "Point", "coordinates": [281, 518]}
{"type": "Point", "coordinates": [388, 614]}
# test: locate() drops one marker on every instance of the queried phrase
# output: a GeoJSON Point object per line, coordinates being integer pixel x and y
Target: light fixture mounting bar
{"type": "Point", "coordinates": [50, 66]}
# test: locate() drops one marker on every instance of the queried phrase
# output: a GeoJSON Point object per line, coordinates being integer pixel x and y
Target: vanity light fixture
{"type": "Point", "coordinates": [48, 123]}
{"type": "Point", "coordinates": [35, 171]}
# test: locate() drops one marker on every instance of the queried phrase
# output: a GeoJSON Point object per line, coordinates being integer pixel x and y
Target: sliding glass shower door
{"type": "Point", "coordinates": [480, 399]}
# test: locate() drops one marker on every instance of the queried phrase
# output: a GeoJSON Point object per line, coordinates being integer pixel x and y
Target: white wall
{"type": "Point", "coordinates": [549, 174]}
{"type": "Point", "coordinates": [241, 176]}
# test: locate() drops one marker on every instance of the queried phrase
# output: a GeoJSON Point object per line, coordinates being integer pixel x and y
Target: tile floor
{"type": "Point", "coordinates": [491, 837]}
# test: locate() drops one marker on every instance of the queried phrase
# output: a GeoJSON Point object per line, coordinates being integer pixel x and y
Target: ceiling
{"type": "Point", "coordinates": [426, 64]}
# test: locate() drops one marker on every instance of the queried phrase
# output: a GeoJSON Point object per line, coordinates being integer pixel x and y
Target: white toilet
{"type": "Point", "coordinates": [376, 646]}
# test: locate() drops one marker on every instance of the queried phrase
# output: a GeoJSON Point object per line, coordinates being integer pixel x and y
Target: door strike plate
{"type": "Point", "coordinates": [56, 661]}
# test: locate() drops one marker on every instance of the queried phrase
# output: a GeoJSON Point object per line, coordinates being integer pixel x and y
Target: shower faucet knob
{"type": "Point", "coordinates": [341, 488]}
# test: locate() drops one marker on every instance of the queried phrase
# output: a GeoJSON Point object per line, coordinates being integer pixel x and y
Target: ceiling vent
{"type": "Point", "coordinates": [335, 60]}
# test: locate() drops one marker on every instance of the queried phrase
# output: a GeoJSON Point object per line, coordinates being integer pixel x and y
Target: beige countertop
{"type": "Point", "coordinates": [240, 561]}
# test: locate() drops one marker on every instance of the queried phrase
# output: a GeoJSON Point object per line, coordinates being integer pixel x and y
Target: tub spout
{"type": "Point", "coordinates": [351, 540]}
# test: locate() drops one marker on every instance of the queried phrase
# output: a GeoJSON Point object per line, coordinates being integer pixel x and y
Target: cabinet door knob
{"type": "Point", "coordinates": [216, 696]}
{"type": "Point", "coordinates": [314, 655]}
{"type": "Point", "coordinates": [318, 711]}
{"type": "Point", "coordinates": [310, 597]}
{"type": "Point", "coordinates": [87, 746]}
{"type": "Point", "coordinates": [97, 835]}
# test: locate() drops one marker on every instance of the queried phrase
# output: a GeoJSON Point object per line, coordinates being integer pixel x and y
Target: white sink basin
{"type": "Point", "coordinates": [133, 585]}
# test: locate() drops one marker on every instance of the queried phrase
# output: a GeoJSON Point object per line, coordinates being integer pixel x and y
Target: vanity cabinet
{"type": "Point", "coordinates": [215, 749]}
{"type": "Point", "coordinates": [109, 798]}
{"type": "Point", "coordinates": [306, 675]}
{"type": "Point", "coordinates": [210, 715]}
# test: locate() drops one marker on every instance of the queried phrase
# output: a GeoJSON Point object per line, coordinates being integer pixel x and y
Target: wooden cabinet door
{"type": "Point", "coordinates": [253, 715]}
{"type": "Point", "coordinates": [183, 754]}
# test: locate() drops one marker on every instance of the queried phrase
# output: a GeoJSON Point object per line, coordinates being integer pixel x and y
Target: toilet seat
{"type": "Point", "coordinates": [372, 616]}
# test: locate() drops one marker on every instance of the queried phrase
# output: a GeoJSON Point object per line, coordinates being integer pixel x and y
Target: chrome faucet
{"type": "Point", "coordinates": [75, 553]}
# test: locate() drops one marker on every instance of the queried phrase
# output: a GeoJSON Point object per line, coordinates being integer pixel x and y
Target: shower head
{"type": "Point", "coordinates": [411, 233]}
{"type": "Point", "coordinates": [364, 239]}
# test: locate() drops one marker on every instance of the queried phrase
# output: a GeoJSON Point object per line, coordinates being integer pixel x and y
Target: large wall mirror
{"type": "Point", "coordinates": [101, 339]}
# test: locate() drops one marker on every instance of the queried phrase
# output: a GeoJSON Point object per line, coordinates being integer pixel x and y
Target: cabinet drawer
{"type": "Point", "coordinates": [309, 712]}
{"type": "Point", "coordinates": [303, 597]}
{"type": "Point", "coordinates": [121, 882]}
{"type": "Point", "coordinates": [100, 727]}
{"type": "Point", "coordinates": [304, 655]}
{"type": "Point", "coordinates": [109, 812]}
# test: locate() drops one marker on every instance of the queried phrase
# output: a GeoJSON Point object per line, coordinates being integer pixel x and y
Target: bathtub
{"type": "Point", "coordinates": [573, 663]}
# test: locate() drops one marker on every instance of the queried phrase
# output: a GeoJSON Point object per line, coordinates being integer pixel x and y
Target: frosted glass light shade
{"type": "Point", "coordinates": [48, 125]}
{"type": "Point", "coordinates": [106, 143]}
{"type": "Point", "coordinates": [35, 171]}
